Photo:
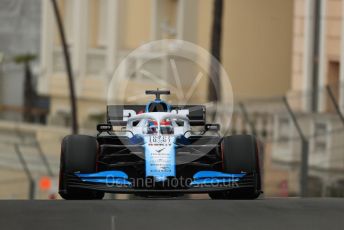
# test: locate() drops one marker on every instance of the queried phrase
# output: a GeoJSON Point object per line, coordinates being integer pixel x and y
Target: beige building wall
{"type": "Point", "coordinates": [136, 23]}
{"type": "Point", "coordinates": [298, 44]}
{"type": "Point", "coordinates": [256, 45]}
{"type": "Point", "coordinates": [333, 43]}
{"type": "Point", "coordinates": [331, 52]}
{"type": "Point", "coordinates": [204, 17]}
{"type": "Point", "coordinates": [93, 28]}
{"type": "Point", "coordinates": [333, 31]}
{"type": "Point", "coordinates": [331, 20]}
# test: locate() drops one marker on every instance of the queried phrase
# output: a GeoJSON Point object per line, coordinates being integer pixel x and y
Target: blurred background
{"type": "Point", "coordinates": [283, 58]}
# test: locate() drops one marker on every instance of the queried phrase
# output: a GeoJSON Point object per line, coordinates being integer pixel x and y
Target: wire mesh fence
{"type": "Point", "coordinates": [318, 124]}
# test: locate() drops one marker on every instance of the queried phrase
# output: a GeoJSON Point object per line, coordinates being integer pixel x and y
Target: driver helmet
{"type": "Point", "coordinates": [166, 127]}
{"type": "Point", "coordinates": [152, 127]}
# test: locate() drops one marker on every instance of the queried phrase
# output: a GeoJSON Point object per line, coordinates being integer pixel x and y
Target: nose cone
{"type": "Point", "coordinates": [160, 157]}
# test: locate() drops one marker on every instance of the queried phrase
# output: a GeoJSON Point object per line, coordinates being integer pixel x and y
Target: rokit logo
{"type": "Point", "coordinates": [127, 113]}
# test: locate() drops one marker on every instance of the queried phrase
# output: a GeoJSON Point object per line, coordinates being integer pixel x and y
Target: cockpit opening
{"type": "Point", "coordinates": [158, 107]}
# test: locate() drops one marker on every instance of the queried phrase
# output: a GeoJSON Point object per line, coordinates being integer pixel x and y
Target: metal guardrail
{"type": "Point", "coordinates": [27, 172]}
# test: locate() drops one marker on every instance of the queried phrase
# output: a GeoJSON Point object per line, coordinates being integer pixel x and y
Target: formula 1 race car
{"type": "Point", "coordinates": [154, 152]}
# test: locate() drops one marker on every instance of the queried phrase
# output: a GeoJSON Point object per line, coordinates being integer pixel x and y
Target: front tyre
{"type": "Point", "coordinates": [78, 154]}
{"type": "Point", "coordinates": [240, 154]}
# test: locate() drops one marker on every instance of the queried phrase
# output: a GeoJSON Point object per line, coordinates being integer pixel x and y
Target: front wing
{"type": "Point", "coordinates": [202, 182]}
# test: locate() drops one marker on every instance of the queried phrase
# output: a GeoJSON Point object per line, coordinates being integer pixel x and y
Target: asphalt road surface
{"type": "Point", "coordinates": [276, 214]}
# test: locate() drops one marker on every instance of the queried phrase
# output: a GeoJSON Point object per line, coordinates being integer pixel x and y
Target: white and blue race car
{"type": "Point", "coordinates": [155, 150]}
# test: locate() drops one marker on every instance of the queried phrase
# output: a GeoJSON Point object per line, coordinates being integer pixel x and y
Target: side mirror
{"type": "Point", "coordinates": [104, 127]}
{"type": "Point", "coordinates": [212, 127]}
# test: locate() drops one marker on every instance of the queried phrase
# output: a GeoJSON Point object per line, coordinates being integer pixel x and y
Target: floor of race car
{"type": "Point", "coordinates": [288, 213]}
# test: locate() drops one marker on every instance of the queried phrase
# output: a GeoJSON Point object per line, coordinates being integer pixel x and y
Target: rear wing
{"type": "Point", "coordinates": [117, 115]}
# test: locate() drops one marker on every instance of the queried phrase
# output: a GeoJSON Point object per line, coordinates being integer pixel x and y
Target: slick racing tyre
{"type": "Point", "coordinates": [78, 154]}
{"type": "Point", "coordinates": [240, 154]}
